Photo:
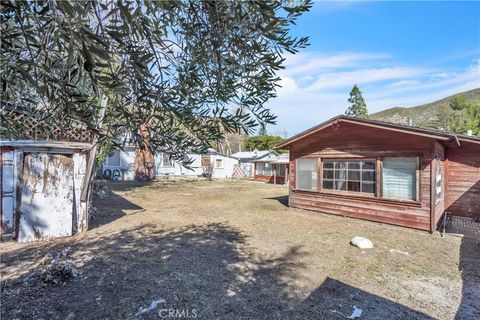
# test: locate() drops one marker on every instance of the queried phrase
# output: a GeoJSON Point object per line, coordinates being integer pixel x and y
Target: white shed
{"type": "Point", "coordinates": [42, 182]}
{"type": "Point", "coordinates": [221, 165]}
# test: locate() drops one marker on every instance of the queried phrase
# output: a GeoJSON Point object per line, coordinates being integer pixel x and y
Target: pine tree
{"type": "Point", "coordinates": [358, 109]}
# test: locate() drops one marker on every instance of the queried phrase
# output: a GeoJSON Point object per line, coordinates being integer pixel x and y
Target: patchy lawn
{"type": "Point", "coordinates": [234, 250]}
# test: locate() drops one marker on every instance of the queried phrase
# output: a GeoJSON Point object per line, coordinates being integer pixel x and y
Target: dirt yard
{"type": "Point", "coordinates": [234, 250]}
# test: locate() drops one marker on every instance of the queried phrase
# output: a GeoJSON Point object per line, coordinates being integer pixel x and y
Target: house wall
{"type": "Point", "coordinates": [126, 165]}
{"type": "Point", "coordinates": [348, 140]}
{"type": "Point", "coordinates": [463, 179]}
{"type": "Point", "coordinates": [270, 178]}
{"type": "Point", "coordinates": [127, 160]}
{"type": "Point", "coordinates": [226, 171]}
{"type": "Point", "coordinates": [177, 169]}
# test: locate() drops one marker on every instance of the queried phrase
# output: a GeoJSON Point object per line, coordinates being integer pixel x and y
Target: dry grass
{"type": "Point", "coordinates": [231, 249]}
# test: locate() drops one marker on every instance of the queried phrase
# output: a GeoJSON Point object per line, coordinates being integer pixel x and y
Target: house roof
{"type": "Point", "coordinates": [213, 152]}
{"type": "Point", "coordinates": [272, 158]}
{"type": "Point", "coordinates": [426, 132]}
{"type": "Point", "coordinates": [257, 154]}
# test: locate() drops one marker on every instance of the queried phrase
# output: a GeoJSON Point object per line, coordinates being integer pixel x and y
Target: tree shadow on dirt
{"type": "Point", "coordinates": [207, 268]}
{"type": "Point", "coordinates": [283, 200]}
{"type": "Point", "coordinates": [112, 208]}
{"type": "Point", "coordinates": [470, 268]}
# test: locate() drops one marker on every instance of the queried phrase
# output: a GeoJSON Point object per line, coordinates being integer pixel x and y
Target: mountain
{"type": "Point", "coordinates": [425, 115]}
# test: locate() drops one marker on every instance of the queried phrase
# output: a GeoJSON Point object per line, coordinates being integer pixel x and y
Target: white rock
{"type": "Point", "coordinates": [362, 243]}
{"type": "Point", "coordinates": [399, 251]}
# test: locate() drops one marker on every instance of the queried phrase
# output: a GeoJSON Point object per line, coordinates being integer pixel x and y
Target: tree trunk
{"type": "Point", "coordinates": [144, 159]}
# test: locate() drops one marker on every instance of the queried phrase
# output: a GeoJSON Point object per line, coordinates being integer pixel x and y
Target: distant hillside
{"type": "Point", "coordinates": [426, 115]}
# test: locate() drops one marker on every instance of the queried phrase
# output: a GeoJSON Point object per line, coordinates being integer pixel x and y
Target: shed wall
{"type": "Point", "coordinates": [80, 209]}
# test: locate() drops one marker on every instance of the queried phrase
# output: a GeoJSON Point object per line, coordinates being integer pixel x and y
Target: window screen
{"type": "Point", "coordinates": [349, 175]}
{"type": "Point", "coordinates": [114, 159]}
{"type": "Point", "coordinates": [259, 167]}
{"type": "Point", "coordinates": [263, 169]}
{"type": "Point", "coordinates": [307, 174]}
{"type": "Point", "coordinates": [400, 178]}
{"type": "Point", "coordinates": [167, 161]}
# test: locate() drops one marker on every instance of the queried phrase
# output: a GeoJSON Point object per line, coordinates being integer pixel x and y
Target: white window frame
{"type": "Point", "coordinates": [361, 170]}
{"type": "Point", "coordinates": [217, 160]}
{"type": "Point", "coordinates": [169, 164]}
{"type": "Point", "coordinates": [417, 181]}
{"type": "Point", "coordinates": [315, 186]}
{"type": "Point", "coordinates": [119, 159]}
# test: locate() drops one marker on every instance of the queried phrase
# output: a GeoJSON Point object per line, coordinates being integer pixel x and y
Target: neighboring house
{"type": "Point", "coordinates": [44, 181]}
{"type": "Point", "coordinates": [272, 169]}
{"type": "Point", "coordinates": [120, 165]}
{"type": "Point", "coordinates": [246, 159]}
{"type": "Point", "coordinates": [389, 173]}
{"type": "Point", "coordinates": [221, 166]}
{"type": "Point", "coordinates": [165, 166]}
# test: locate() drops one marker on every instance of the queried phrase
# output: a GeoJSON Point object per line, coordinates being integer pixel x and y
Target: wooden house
{"type": "Point", "coordinates": [272, 169]}
{"type": "Point", "coordinates": [44, 181]}
{"type": "Point", "coordinates": [246, 160]}
{"type": "Point", "coordinates": [401, 175]}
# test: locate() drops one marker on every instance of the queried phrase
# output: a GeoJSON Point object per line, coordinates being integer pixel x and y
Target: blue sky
{"type": "Point", "coordinates": [399, 53]}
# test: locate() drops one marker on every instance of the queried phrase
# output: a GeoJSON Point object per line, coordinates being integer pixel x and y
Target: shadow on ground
{"type": "Point", "coordinates": [470, 268]}
{"type": "Point", "coordinates": [283, 200]}
{"type": "Point", "coordinates": [208, 268]}
{"type": "Point", "coordinates": [112, 208]}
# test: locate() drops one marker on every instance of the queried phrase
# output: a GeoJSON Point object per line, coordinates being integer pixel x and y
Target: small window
{"type": "Point", "coordinates": [281, 170]}
{"type": "Point", "coordinates": [263, 169]}
{"type": "Point", "coordinates": [307, 174]}
{"type": "Point", "coordinates": [349, 175]}
{"type": "Point", "coordinates": [400, 178]}
{"type": "Point", "coordinates": [218, 163]}
{"type": "Point", "coordinates": [114, 159]}
{"type": "Point", "coordinates": [259, 168]}
{"type": "Point", "coordinates": [167, 161]}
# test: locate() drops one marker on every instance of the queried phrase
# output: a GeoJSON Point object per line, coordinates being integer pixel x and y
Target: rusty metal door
{"type": "Point", "coordinates": [47, 197]}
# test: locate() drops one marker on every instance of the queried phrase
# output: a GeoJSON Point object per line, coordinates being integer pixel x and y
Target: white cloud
{"type": "Point", "coordinates": [405, 83]}
{"type": "Point", "coordinates": [301, 64]}
{"type": "Point", "coordinates": [288, 86]}
{"type": "Point", "coordinates": [316, 87]}
{"type": "Point", "coordinates": [362, 76]}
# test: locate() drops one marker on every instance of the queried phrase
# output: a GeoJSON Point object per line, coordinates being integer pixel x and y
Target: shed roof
{"type": "Point", "coordinates": [426, 132]}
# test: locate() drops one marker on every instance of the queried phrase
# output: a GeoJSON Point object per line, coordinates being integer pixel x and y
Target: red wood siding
{"type": "Point", "coordinates": [348, 140]}
{"type": "Point", "coordinates": [269, 179]}
{"type": "Point", "coordinates": [463, 179]}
